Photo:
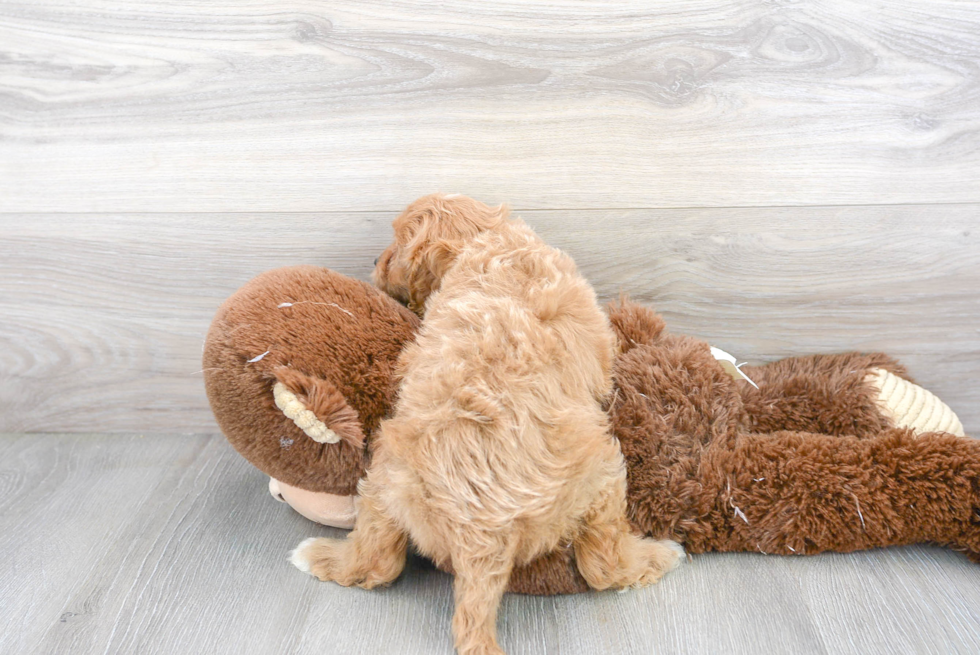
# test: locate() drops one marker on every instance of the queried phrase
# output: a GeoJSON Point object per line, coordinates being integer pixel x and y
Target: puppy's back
{"type": "Point", "coordinates": [504, 381]}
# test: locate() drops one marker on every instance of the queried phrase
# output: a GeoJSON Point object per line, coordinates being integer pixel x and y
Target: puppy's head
{"type": "Point", "coordinates": [429, 235]}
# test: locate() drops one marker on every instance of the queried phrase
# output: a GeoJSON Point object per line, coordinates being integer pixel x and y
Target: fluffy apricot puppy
{"type": "Point", "coordinates": [498, 449]}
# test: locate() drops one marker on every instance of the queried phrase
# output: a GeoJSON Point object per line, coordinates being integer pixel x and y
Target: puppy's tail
{"type": "Point", "coordinates": [317, 407]}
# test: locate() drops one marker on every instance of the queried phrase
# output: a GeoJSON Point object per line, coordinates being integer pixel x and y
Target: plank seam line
{"type": "Point", "coordinates": [513, 208]}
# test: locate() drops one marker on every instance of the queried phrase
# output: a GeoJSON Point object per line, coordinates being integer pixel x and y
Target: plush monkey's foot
{"type": "Point", "coordinates": [304, 419]}
{"type": "Point", "coordinates": [910, 406]}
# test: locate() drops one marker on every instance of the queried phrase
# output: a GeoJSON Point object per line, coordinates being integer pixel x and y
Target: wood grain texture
{"type": "Point", "coordinates": [117, 544]}
{"type": "Point", "coordinates": [224, 105]}
{"type": "Point", "coordinates": [104, 316]}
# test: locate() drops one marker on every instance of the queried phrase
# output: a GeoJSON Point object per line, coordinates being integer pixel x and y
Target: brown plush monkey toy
{"type": "Point", "coordinates": [818, 453]}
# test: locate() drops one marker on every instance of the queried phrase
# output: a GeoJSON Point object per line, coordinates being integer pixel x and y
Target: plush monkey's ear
{"type": "Point", "coordinates": [634, 324]}
{"type": "Point", "coordinates": [317, 408]}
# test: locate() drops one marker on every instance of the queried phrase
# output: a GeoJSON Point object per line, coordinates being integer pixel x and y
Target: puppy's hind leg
{"type": "Point", "coordinates": [610, 556]}
{"type": "Point", "coordinates": [479, 585]}
{"type": "Point", "coordinates": [373, 553]}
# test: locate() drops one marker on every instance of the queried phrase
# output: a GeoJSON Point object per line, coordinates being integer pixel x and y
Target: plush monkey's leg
{"type": "Point", "coordinates": [851, 394]}
{"type": "Point", "coordinates": [787, 493]}
{"type": "Point", "coordinates": [551, 573]}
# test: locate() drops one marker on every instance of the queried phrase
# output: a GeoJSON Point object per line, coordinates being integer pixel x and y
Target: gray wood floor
{"type": "Point", "coordinates": [171, 544]}
{"type": "Point", "coordinates": [778, 177]}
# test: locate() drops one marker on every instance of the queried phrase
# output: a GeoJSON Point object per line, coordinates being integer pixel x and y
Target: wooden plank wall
{"type": "Point", "coordinates": [776, 177]}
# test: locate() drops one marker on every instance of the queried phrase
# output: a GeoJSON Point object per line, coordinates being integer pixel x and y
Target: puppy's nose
{"type": "Point", "coordinates": [376, 260]}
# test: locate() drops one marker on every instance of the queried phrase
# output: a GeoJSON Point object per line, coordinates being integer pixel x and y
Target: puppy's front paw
{"type": "Point", "coordinates": [337, 560]}
{"type": "Point", "coordinates": [323, 559]}
{"type": "Point", "coordinates": [330, 560]}
{"type": "Point", "coordinates": [300, 556]}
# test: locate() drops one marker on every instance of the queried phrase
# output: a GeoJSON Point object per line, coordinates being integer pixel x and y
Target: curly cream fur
{"type": "Point", "coordinates": [499, 449]}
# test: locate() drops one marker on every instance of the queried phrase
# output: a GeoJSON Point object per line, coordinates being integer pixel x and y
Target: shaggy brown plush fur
{"type": "Point", "coordinates": [820, 393]}
{"type": "Point", "coordinates": [700, 473]}
{"type": "Point", "coordinates": [334, 346]}
{"type": "Point", "coordinates": [698, 445]}
{"type": "Point", "coordinates": [841, 480]}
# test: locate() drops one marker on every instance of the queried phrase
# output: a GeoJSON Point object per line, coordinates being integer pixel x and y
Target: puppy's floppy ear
{"type": "Point", "coordinates": [421, 285]}
{"type": "Point", "coordinates": [430, 234]}
{"type": "Point", "coordinates": [440, 255]}
{"type": "Point", "coordinates": [432, 260]}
